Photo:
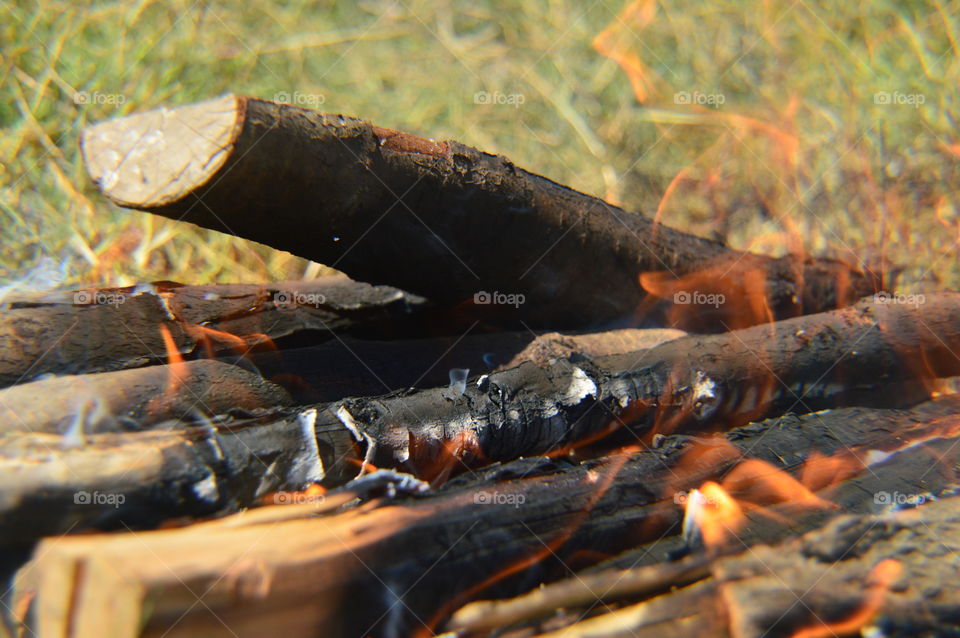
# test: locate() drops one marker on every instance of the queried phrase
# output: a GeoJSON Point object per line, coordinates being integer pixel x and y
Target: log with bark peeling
{"type": "Point", "coordinates": [98, 330]}
{"type": "Point", "coordinates": [441, 219]}
{"type": "Point", "coordinates": [359, 572]}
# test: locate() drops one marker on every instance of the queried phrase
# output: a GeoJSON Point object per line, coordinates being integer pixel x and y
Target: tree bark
{"type": "Point", "coordinates": [443, 220]}
{"type": "Point", "coordinates": [868, 354]}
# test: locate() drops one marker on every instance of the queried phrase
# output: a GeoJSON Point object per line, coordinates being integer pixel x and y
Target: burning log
{"type": "Point", "coordinates": [111, 329]}
{"type": "Point", "coordinates": [359, 572]}
{"type": "Point", "coordinates": [364, 199]}
{"type": "Point", "coordinates": [867, 354]}
{"type": "Point", "coordinates": [854, 574]}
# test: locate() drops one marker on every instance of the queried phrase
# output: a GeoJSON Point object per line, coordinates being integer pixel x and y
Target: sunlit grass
{"type": "Point", "coordinates": [800, 155]}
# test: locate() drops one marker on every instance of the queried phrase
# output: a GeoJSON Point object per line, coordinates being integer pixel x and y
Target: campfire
{"type": "Point", "coordinates": [522, 411]}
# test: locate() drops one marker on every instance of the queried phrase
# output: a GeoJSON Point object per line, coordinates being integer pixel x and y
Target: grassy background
{"type": "Point", "coordinates": [792, 145]}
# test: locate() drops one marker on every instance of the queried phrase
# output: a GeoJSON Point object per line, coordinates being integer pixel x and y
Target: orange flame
{"type": "Point", "coordinates": [717, 515]}
{"type": "Point", "coordinates": [880, 579]}
{"type": "Point", "coordinates": [717, 510]}
{"type": "Point", "coordinates": [177, 366]}
{"type": "Point", "coordinates": [611, 43]}
{"type": "Point", "coordinates": [241, 345]}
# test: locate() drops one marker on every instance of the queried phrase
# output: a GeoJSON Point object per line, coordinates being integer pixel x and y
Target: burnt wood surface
{"type": "Point", "coordinates": [893, 572]}
{"type": "Point", "coordinates": [400, 567]}
{"type": "Point", "coordinates": [441, 219]}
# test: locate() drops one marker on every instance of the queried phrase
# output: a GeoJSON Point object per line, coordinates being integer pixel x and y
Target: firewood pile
{"type": "Point", "coordinates": [522, 411]}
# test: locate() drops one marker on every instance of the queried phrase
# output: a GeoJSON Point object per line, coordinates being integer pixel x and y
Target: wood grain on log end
{"type": "Point", "coordinates": [160, 156]}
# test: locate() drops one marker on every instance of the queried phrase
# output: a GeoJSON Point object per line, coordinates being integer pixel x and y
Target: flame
{"type": "Point", "coordinates": [715, 514]}
{"type": "Point", "coordinates": [612, 43]}
{"type": "Point", "coordinates": [241, 345]}
{"type": "Point", "coordinates": [177, 366]}
{"type": "Point", "coordinates": [725, 289]}
{"type": "Point", "coordinates": [436, 462]}
{"type": "Point", "coordinates": [717, 510]}
{"type": "Point", "coordinates": [880, 579]}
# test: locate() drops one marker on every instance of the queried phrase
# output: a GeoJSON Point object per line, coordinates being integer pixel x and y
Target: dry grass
{"type": "Point", "coordinates": [802, 154]}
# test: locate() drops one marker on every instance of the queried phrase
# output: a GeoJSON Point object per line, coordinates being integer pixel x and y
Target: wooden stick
{"type": "Point", "coordinates": [441, 219]}
{"type": "Point", "coordinates": [583, 590]}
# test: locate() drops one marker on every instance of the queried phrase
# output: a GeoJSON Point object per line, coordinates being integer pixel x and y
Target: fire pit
{"type": "Point", "coordinates": [526, 412]}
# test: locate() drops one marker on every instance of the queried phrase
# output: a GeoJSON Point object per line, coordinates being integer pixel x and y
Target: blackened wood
{"type": "Point", "coordinates": [390, 570]}
{"type": "Point", "coordinates": [868, 354]}
{"type": "Point", "coordinates": [98, 330]}
{"type": "Point", "coordinates": [139, 479]}
{"type": "Point", "coordinates": [440, 219]}
{"type": "Point", "coordinates": [894, 571]}
{"type": "Point", "coordinates": [531, 410]}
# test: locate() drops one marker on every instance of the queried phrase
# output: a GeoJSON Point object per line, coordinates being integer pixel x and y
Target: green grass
{"type": "Point", "coordinates": [799, 156]}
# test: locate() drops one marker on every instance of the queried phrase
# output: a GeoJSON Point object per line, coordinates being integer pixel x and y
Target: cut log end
{"type": "Point", "coordinates": [158, 157]}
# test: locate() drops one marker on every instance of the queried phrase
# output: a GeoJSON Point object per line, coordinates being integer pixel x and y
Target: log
{"type": "Point", "coordinates": [392, 567]}
{"type": "Point", "coordinates": [125, 400]}
{"type": "Point", "coordinates": [99, 330]}
{"type": "Point", "coordinates": [548, 348]}
{"type": "Point", "coordinates": [856, 573]}
{"type": "Point", "coordinates": [863, 480]}
{"type": "Point", "coordinates": [868, 354]}
{"type": "Point", "coordinates": [443, 220]}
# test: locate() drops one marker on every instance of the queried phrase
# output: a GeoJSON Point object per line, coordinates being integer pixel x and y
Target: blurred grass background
{"type": "Point", "coordinates": [775, 125]}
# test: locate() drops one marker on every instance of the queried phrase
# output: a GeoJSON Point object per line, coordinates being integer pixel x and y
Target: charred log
{"type": "Point", "coordinates": [441, 219]}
